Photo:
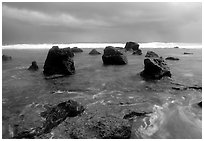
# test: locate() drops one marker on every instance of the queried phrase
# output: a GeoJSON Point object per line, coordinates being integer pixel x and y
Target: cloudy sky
{"type": "Point", "coordinates": [101, 22]}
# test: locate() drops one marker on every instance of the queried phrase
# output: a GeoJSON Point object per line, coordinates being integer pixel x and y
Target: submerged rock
{"type": "Point", "coordinates": [137, 52]}
{"type": "Point", "coordinates": [151, 54]}
{"type": "Point", "coordinates": [94, 52]}
{"type": "Point", "coordinates": [76, 50]}
{"type": "Point", "coordinates": [172, 58]}
{"type": "Point", "coordinates": [113, 56]}
{"type": "Point", "coordinates": [131, 46]}
{"type": "Point", "coordinates": [6, 58]}
{"type": "Point", "coordinates": [34, 66]}
{"type": "Point", "coordinates": [58, 61]}
{"type": "Point", "coordinates": [155, 68]}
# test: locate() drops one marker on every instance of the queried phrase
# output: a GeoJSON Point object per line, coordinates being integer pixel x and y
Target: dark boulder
{"type": "Point", "coordinates": [113, 56]}
{"type": "Point", "coordinates": [151, 54]}
{"type": "Point", "coordinates": [187, 53]}
{"type": "Point", "coordinates": [137, 52]}
{"type": "Point", "coordinates": [172, 58]}
{"type": "Point", "coordinates": [200, 104]}
{"type": "Point", "coordinates": [6, 58]}
{"type": "Point", "coordinates": [76, 50]}
{"type": "Point", "coordinates": [155, 68]}
{"type": "Point", "coordinates": [94, 52]}
{"type": "Point", "coordinates": [176, 47]}
{"type": "Point", "coordinates": [34, 66]}
{"type": "Point", "coordinates": [58, 61]}
{"type": "Point", "coordinates": [68, 51]}
{"type": "Point", "coordinates": [131, 46]}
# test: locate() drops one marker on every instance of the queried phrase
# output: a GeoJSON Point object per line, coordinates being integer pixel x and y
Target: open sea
{"type": "Point", "coordinates": [108, 91]}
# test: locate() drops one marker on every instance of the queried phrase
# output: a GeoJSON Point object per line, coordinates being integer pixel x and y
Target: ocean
{"type": "Point", "coordinates": [109, 91]}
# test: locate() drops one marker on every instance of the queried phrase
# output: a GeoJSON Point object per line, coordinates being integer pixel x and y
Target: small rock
{"type": "Point", "coordinates": [200, 104]}
{"type": "Point", "coordinates": [76, 50]}
{"type": "Point", "coordinates": [172, 58]}
{"type": "Point", "coordinates": [6, 58]}
{"type": "Point", "coordinates": [94, 52]}
{"type": "Point", "coordinates": [187, 53]}
{"type": "Point", "coordinates": [131, 46]}
{"type": "Point", "coordinates": [137, 52]}
{"type": "Point", "coordinates": [34, 66]}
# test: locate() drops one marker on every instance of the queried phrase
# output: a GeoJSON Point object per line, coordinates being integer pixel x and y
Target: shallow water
{"type": "Point", "coordinates": [112, 89]}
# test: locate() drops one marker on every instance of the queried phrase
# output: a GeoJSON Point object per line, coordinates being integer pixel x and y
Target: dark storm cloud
{"type": "Point", "coordinates": [101, 22]}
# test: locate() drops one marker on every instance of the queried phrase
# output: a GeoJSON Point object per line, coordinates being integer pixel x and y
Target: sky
{"type": "Point", "coordinates": [49, 22]}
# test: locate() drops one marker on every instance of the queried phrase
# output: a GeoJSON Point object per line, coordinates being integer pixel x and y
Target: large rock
{"type": "Point", "coordinates": [137, 52]}
{"type": "Point", "coordinates": [155, 68]}
{"type": "Point", "coordinates": [172, 58]}
{"type": "Point", "coordinates": [6, 58]}
{"type": "Point", "coordinates": [34, 66]}
{"type": "Point", "coordinates": [76, 50]}
{"type": "Point", "coordinates": [151, 54]}
{"type": "Point", "coordinates": [94, 52]}
{"type": "Point", "coordinates": [131, 46]}
{"type": "Point", "coordinates": [113, 56]}
{"type": "Point", "coordinates": [58, 61]}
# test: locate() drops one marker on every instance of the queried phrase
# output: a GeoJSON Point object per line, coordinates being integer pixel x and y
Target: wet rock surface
{"type": "Point", "coordinates": [155, 68]}
{"type": "Point", "coordinates": [6, 58]}
{"type": "Point", "coordinates": [94, 52]}
{"type": "Point", "coordinates": [43, 121]}
{"type": "Point", "coordinates": [34, 66]}
{"type": "Point", "coordinates": [151, 54]}
{"type": "Point", "coordinates": [113, 56]}
{"type": "Point", "coordinates": [58, 61]}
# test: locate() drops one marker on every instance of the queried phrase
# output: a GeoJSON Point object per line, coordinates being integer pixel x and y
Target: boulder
{"type": "Point", "coordinates": [151, 54]}
{"type": "Point", "coordinates": [176, 47]}
{"type": "Point", "coordinates": [131, 46]}
{"type": "Point", "coordinates": [155, 68]}
{"type": "Point", "coordinates": [172, 58]}
{"type": "Point", "coordinates": [33, 67]}
{"type": "Point", "coordinates": [76, 50]}
{"type": "Point", "coordinates": [6, 58]}
{"type": "Point", "coordinates": [58, 61]}
{"type": "Point", "coordinates": [137, 52]}
{"type": "Point", "coordinates": [94, 52]}
{"type": "Point", "coordinates": [113, 56]}
{"type": "Point", "coordinates": [187, 53]}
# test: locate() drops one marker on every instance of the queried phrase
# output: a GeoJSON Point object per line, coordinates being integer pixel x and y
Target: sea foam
{"type": "Point", "coordinates": [103, 45]}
